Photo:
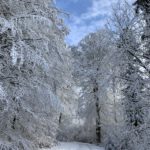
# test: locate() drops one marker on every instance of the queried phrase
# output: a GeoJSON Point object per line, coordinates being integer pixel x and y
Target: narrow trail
{"type": "Point", "coordinates": [75, 146]}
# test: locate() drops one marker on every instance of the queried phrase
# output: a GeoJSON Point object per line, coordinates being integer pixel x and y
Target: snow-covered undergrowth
{"type": "Point", "coordinates": [75, 146]}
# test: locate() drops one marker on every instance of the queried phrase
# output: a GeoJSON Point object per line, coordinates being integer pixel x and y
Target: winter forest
{"type": "Point", "coordinates": [93, 95]}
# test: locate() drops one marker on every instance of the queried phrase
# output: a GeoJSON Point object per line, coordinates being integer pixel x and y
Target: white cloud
{"type": "Point", "coordinates": [99, 9]}
{"type": "Point", "coordinates": [80, 31]}
{"type": "Point", "coordinates": [79, 26]}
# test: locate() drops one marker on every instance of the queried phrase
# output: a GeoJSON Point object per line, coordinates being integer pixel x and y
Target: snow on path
{"type": "Point", "coordinates": [75, 146]}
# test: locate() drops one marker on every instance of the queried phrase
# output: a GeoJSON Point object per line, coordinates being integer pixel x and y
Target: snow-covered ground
{"type": "Point", "coordinates": [75, 146]}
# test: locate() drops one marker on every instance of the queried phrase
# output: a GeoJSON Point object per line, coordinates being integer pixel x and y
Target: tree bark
{"type": "Point", "coordinates": [98, 122]}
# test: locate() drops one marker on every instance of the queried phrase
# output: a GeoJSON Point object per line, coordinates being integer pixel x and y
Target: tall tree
{"type": "Point", "coordinates": [89, 55]}
{"type": "Point", "coordinates": [134, 74]}
{"type": "Point", "coordinates": [32, 67]}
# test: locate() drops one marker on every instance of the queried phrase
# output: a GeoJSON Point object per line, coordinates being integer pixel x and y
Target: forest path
{"type": "Point", "coordinates": [75, 146]}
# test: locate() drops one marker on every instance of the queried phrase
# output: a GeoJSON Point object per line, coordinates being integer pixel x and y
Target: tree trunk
{"type": "Point", "coordinates": [98, 123]}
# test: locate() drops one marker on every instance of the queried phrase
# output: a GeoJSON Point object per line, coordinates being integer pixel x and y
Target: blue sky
{"type": "Point", "coordinates": [85, 16]}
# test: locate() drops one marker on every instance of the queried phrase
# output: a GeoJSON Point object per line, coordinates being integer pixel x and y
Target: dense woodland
{"type": "Point", "coordinates": [96, 92]}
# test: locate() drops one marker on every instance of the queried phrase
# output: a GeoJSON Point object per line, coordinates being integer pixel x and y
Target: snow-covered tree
{"type": "Point", "coordinates": [33, 69]}
{"type": "Point", "coordinates": [134, 75]}
{"type": "Point", "coordinates": [88, 57]}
